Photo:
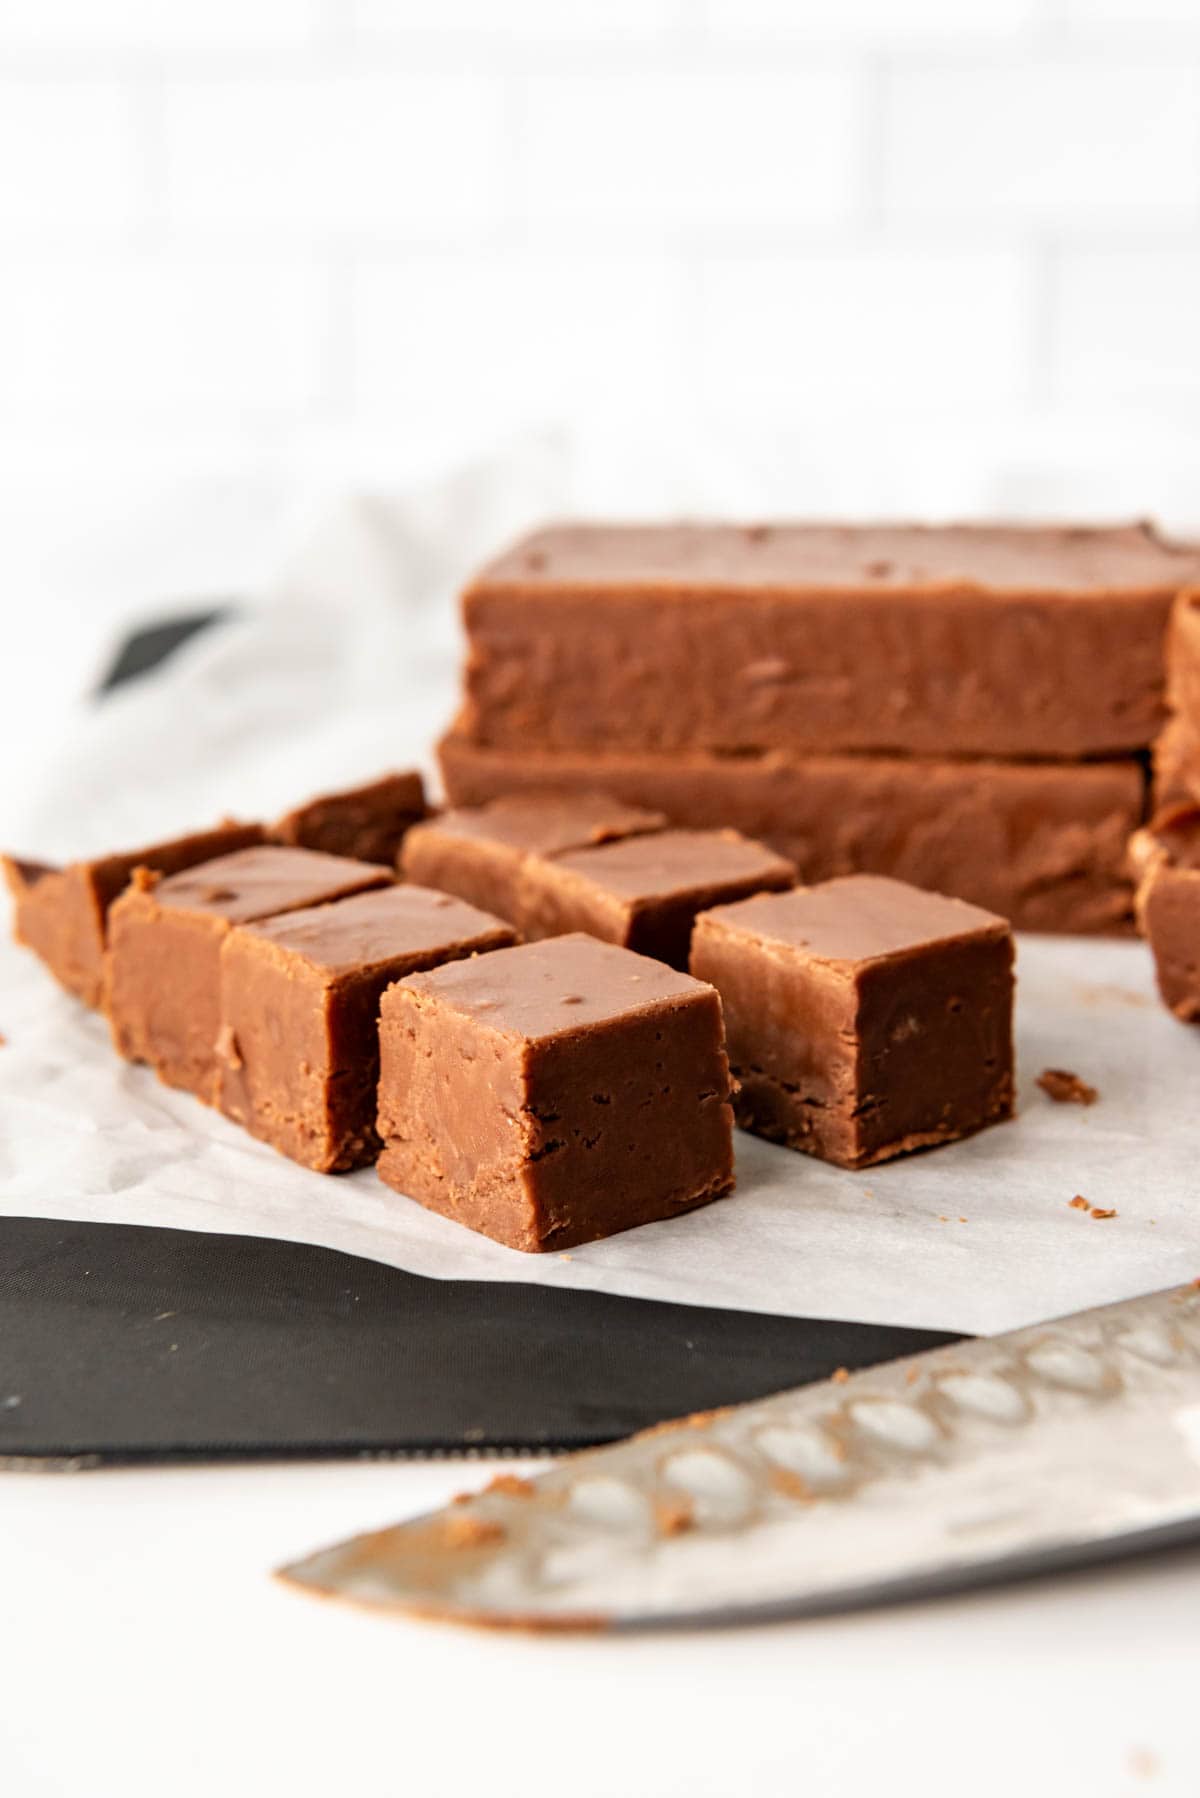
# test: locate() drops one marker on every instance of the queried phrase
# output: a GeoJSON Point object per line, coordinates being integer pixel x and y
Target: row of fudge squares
{"type": "Point", "coordinates": [61, 912]}
{"type": "Point", "coordinates": [560, 1091]}
{"type": "Point", "coordinates": [553, 1092]}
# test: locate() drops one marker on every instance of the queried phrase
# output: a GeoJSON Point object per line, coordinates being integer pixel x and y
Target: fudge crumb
{"type": "Point", "coordinates": [566, 1257]}
{"type": "Point", "coordinates": [1102, 1211]}
{"type": "Point", "coordinates": [3, 1040]}
{"type": "Point", "coordinates": [840, 1375]}
{"type": "Point", "coordinates": [512, 1485]}
{"type": "Point", "coordinates": [1079, 1203]}
{"type": "Point", "coordinates": [791, 1485]}
{"type": "Point", "coordinates": [912, 1376]}
{"type": "Point", "coordinates": [673, 1516]}
{"type": "Point", "coordinates": [1066, 1088]}
{"type": "Point", "coordinates": [471, 1532]}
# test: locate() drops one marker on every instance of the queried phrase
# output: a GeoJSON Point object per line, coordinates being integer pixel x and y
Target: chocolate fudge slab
{"type": "Point", "coordinates": [298, 1046]}
{"type": "Point", "coordinates": [61, 913]}
{"type": "Point", "coordinates": [366, 823]}
{"type": "Point", "coordinates": [865, 1018]}
{"type": "Point", "coordinates": [645, 891]}
{"type": "Point", "coordinates": [162, 988]}
{"type": "Point", "coordinates": [478, 853]}
{"type": "Point", "coordinates": [1167, 857]}
{"type": "Point", "coordinates": [554, 1093]}
{"type": "Point", "coordinates": [984, 640]}
{"type": "Point", "coordinates": [1042, 843]}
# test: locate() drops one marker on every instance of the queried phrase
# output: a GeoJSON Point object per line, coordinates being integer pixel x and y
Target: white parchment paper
{"type": "Point", "coordinates": [351, 666]}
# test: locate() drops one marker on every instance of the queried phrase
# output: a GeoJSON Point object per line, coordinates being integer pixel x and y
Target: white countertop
{"type": "Point", "coordinates": [145, 1649]}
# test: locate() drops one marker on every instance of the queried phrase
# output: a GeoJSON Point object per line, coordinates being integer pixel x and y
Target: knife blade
{"type": "Point", "coordinates": [1047, 1447]}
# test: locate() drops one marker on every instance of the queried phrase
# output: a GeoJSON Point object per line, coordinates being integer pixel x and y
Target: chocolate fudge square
{"type": "Point", "coordinates": [367, 823]}
{"type": "Point", "coordinates": [866, 1018]}
{"type": "Point", "coordinates": [554, 1093]}
{"type": "Point", "coordinates": [61, 913]}
{"type": "Point", "coordinates": [645, 892]}
{"type": "Point", "coordinates": [298, 1048]}
{"type": "Point", "coordinates": [165, 936]}
{"type": "Point", "coordinates": [1166, 855]}
{"type": "Point", "coordinates": [479, 852]}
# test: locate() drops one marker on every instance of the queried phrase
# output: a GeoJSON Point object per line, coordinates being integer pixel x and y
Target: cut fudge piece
{"type": "Point", "coordinates": [554, 1093]}
{"type": "Point", "coordinates": [367, 823]}
{"type": "Point", "coordinates": [645, 891]}
{"type": "Point", "coordinates": [479, 853]}
{"type": "Point", "coordinates": [298, 1048]}
{"type": "Point", "coordinates": [1176, 763]}
{"type": "Point", "coordinates": [991, 640]}
{"type": "Point", "coordinates": [1183, 657]}
{"type": "Point", "coordinates": [1166, 856]}
{"type": "Point", "coordinates": [162, 989]}
{"type": "Point", "coordinates": [865, 1018]}
{"type": "Point", "coordinates": [1042, 843]}
{"type": "Point", "coordinates": [62, 913]}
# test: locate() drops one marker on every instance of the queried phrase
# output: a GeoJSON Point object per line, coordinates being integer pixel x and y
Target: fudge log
{"type": "Point", "coordinates": [298, 1047]}
{"type": "Point", "coordinates": [62, 913]}
{"type": "Point", "coordinates": [479, 853]}
{"type": "Point", "coordinates": [554, 1093]}
{"type": "Point", "coordinates": [1166, 855]}
{"type": "Point", "coordinates": [1043, 844]}
{"type": "Point", "coordinates": [162, 969]}
{"type": "Point", "coordinates": [865, 1018]}
{"type": "Point", "coordinates": [989, 640]}
{"type": "Point", "coordinates": [644, 891]}
{"type": "Point", "coordinates": [367, 823]}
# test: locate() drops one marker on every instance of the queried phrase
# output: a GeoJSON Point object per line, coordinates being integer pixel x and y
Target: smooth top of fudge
{"type": "Point", "coordinates": [371, 929]}
{"type": "Point", "coordinates": [553, 988]}
{"type": "Point", "coordinates": [1004, 558]}
{"type": "Point", "coordinates": [109, 874]}
{"type": "Point", "coordinates": [549, 823]}
{"type": "Point", "coordinates": [858, 918]}
{"type": "Point", "coordinates": [255, 883]}
{"type": "Point", "coordinates": [676, 861]}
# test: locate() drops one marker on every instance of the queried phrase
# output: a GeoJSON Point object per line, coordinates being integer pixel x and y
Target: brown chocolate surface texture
{"type": "Point", "coordinates": [367, 823]}
{"type": "Point", "coordinates": [298, 1044]}
{"type": "Point", "coordinates": [1176, 763]}
{"type": "Point", "coordinates": [1166, 855]}
{"type": "Point", "coordinates": [479, 853]}
{"type": "Point", "coordinates": [865, 1019]}
{"type": "Point", "coordinates": [61, 913]}
{"type": "Point", "coordinates": [984, 640]}
{"type": "Point", "coordinates": [554, 1093]}
{"type": "Point", "coordinates": [163, 963]}
{"type": "Point", "coordinates": [1041, 843]}
{"type": "Point", "coordinates": [1183, 657]}
{"type": "Point", "coordinates": [645, 891]}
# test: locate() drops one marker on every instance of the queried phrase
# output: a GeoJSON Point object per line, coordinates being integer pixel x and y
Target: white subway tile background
{"type": "Point", "coordinates": [880, 255]}
{"type": "Point", "coordinates": [262, 234]}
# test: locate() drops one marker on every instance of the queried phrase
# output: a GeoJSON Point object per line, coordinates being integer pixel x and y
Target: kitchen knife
{"type": "Point", "coordinates": [1051, 1446]}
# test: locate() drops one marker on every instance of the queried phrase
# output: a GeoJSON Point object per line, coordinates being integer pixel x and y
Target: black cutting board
{"type": "Point", "coordinates": [121, 1342]}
